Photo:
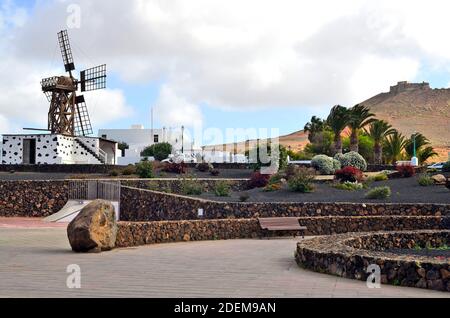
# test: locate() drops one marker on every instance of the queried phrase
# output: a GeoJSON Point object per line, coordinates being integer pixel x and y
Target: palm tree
{"type": "Point", "coordinates": [378, 131]}
{"type": "Point", "coordinates": [421, 141]}
{"type": "Point", "coordinates": [393, 147]}
{"type": "Point", "coordinates": [360, 116]}
{"type": "Point", "coordinates": [337, 121]}
{"type": "Point", "coordinates": [315, 126]}
{"type": "Point", "coordinates": [425, 154]}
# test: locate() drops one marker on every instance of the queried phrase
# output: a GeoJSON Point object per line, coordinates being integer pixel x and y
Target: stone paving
{"type": "Point", "coordinates": [34, 258]}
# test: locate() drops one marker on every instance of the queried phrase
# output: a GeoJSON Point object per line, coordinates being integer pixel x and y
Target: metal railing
{"type": "Point", "coordinates": [103, 155]}
{"type": "Point", "coordinates": [94, 189]}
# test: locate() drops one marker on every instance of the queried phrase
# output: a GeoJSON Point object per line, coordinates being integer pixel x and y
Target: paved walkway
{"type": "Point", "coordinates": [33, 263]}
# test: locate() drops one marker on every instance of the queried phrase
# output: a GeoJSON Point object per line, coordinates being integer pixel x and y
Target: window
{"type": "Point", "coordinates": [104, 136]}
{"type": "Point", "coordinates": [155, 139]}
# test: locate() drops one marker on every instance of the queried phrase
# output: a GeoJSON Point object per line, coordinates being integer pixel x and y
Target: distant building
{"type": "Point", "coordinates": [405, 86]}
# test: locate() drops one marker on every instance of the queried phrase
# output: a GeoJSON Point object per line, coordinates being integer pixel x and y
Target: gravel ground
{"type": "Point", "coordinates": [33, 176]}
{"type": "Point", "coordinates": [224, 173]}
{"type": "Point", "coordinates": [403, 191]}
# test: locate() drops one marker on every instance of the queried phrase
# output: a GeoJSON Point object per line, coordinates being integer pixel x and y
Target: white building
{"type": "Point", "coordinates": [58, 149]}
{"type": "Point", "coordinates": [138, 138]}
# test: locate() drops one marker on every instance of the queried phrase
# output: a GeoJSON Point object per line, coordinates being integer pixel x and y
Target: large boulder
{"type": "Point", "coordinates": [94, 229]}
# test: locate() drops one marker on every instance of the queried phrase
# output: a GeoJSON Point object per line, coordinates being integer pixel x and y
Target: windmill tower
{"type": "Point", "coordinates": [68, 113]}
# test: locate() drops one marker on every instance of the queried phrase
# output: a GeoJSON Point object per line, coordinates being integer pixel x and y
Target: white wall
{"type": "Point", "coordinates": [46, 149]}
{"type": "Point", "coordinates": [50, 149]}
{"type": "Point", "coordinates": [71, 152]}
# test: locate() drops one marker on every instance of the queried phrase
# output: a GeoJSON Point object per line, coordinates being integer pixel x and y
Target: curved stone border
{"type": "Point", "coordinates": [349, 255]}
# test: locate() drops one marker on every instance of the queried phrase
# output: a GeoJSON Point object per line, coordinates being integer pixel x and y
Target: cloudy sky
{"type": "Point", "coordinates": [219, 63]}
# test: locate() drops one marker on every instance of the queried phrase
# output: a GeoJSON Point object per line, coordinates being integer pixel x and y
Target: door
{"type": "Point", "coordinates": [29, 151]}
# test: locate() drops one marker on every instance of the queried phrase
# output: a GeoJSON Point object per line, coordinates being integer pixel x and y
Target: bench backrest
{"type": "Point", "coordinates": [269, 222]}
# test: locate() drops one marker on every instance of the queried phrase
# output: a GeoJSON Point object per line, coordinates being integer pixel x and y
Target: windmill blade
{"type": "Point", "coordinates": [83, 125]}
{"type": "Point", "coordinates": [66, 51]}
{"type": "Point", "coordinates": [93, 78]}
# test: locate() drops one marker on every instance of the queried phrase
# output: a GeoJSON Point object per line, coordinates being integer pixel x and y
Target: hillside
{"type": "Point", "coordinates": [408, 107]}
{"type": "Point", "coordinates": [415, 107]}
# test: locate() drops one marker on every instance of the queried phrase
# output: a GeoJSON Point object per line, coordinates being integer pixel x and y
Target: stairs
{"type": "Point", "coordinates": [87, 149]}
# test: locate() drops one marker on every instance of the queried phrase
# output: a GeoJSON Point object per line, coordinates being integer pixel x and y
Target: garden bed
{"type": "Point", "coordinates": [405, 190]}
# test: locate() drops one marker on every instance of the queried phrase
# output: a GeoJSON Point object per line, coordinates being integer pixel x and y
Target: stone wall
{"type": "Point", "coordinates": [349, 255]}
{"type": "Point", "coordinates": [32, 198]}
{"type": "Point", "coordinates": [42, 198]}
{"type": "Point", "coordinates": [137, 233]}
{"type": "Point", "coordinates": [140, 233]}
{"type": "Point", "coordinates": [145, 205]}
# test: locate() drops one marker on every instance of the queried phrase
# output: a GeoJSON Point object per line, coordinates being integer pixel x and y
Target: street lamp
{"type": "Point", "coordinates": [182, 139]}
{"type": "Point", "coordinates": [414, 159]}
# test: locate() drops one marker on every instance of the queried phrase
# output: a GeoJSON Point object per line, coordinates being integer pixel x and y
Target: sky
{"type": "Point", "coordinates": [219, 64]}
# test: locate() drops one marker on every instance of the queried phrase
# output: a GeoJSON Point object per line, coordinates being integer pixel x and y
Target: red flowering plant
{"type": "Point", "coordinates": [405, 171]}
{"type": "Point", "coordinates": [349, 174]}
{"type": "Point", "coordinates": [258, 180]}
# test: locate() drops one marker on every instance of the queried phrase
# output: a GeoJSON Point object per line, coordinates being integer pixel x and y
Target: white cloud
{"type": "Point", "coordinates": [236, 54]}
{"type": "Point", "coordinates": [107, 105]}
{"type": "Point", "coordinates": [174, 111]}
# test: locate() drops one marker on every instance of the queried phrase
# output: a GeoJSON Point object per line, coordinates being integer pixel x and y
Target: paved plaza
{"type": "Point", "coordinates": [34, 258]}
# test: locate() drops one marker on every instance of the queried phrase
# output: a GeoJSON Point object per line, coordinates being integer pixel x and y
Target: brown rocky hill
{"type": "Point", "coordinates": [411, 107]}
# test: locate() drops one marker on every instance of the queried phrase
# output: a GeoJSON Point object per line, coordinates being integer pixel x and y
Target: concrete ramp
{"type": "Point", "coordinates": [68, 212]}
{"type": "Point", "coordinates": [71, 210]}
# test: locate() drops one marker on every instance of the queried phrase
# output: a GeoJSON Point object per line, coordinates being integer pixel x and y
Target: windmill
{"type": "Point", "coordinates": [68, 113]}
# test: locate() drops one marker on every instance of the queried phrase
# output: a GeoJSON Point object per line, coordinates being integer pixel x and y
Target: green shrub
{"type": "Point", "coordinates": [129, 170]}
{"type": "Point", "coordinates": [378, 177]}
{"type": "Point", "coordinates": [446, 167]}
{"type": "Point", "coordinates": [144, 169]}
{"type": "Point", "coordinates": [379, 193]}
{"type": "Point", "coordinates": [276, 178]}
{"type": "Point", "coordinates": [114, 173]}
{"type": "Point", "coordinates": [352, 159]}
{"type": "Point", "coordinates": [425, 180]}
{"type": "Point", "coordinates": [349, 186]}
{"type": "Point", "coordinates": [191, 187]}
{"type": "Point", "coordinates": [222, 189]}
{"type": "Point", "coordinates": [272, 187]}
{"type": "Point", "coordinates": [159, 151]}
{"type": "Point", "coordinates": [336, 164]}
{"type": "Point", "coordinates": [302, 181]}
{"type": "Point", "coordinates": [290, 171]}
{"type": "Point", "coordinates": [323, 164]}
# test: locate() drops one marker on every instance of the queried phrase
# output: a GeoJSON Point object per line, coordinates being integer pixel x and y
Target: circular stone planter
{"type": "Point", "coordinates": [398, 254]}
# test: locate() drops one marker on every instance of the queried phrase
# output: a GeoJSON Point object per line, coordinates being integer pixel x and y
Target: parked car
{"type": "Point", "coordinates": [181, 157]}
{"type": "Point", "coordinates": [437, 166]}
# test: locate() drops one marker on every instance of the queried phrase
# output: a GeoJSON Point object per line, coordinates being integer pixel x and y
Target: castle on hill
{"type": "Point", "coordinates": [405, 86]}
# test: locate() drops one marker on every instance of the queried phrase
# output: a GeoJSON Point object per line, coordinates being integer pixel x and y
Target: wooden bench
{"type": "Point", "coordinates": [282, 224]}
